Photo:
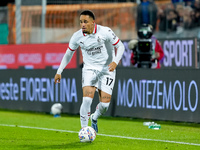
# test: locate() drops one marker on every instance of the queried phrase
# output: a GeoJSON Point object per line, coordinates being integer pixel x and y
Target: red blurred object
{"type": "Point", "coordinates": [35, 56]}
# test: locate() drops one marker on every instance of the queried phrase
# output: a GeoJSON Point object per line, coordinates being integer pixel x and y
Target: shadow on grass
{"type": "Point", "coordinates": [74, 145]}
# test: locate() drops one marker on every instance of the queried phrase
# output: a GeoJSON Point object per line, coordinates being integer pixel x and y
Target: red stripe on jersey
{"type": "Point", "coordinates": [71, 49]}
{"type": "Point", "coordinates": [95, 28]}
{"type": "Point", "coordinates": [116, 42]}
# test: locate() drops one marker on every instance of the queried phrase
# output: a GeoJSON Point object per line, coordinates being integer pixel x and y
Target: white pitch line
{"type": "Point", "coordinates": [116, 136]}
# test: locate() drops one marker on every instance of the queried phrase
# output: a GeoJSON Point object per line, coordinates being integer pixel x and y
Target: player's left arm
{"type": "Point", "coordinates": [118, 56]}
{"type": "Point", "coordinates": [118, 45]}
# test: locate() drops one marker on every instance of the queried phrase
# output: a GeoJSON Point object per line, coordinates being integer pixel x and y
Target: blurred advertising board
{"type": "Point", "coordinates": [163, 94]}
{"type": "Point", "coordinates": [178, 53]}
{"type": "Point", "coordinates": [34, 56]}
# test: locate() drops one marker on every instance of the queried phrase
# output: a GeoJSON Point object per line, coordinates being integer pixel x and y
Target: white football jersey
{"type": "Point", "coordinates": [97, 48]}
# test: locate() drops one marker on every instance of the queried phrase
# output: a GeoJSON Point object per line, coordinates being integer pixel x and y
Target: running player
{"type": "Point", "coordinates": [98, 45]}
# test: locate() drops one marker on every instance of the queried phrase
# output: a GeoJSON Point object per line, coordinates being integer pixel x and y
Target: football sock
{"type": "Point", "coordinates": [100, 109]}
{"type": "Point", "coordinates": [85, 111]}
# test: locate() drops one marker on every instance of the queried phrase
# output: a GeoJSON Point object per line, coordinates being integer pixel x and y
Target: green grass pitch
{"type": "Point", "coordinates": [37, 131]}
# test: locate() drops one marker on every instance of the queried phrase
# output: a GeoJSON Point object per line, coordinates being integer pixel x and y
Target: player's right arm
{"type": "Point", "coordinates": [65, 60]}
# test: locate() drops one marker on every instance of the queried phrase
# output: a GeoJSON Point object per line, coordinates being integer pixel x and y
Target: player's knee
{"type": "Point", "coordinates": [105, 99]}
{"type": "Point", "coordinates": [88, 92]}
{"type": "Point", "coordinates": [87, 101]}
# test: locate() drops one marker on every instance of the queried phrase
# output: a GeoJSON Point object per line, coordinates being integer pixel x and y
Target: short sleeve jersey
{"type": "Point", "coordinates": [97, 48]}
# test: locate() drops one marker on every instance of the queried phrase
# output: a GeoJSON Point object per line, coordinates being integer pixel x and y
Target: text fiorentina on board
{"type": "Point", "coordinates": [40, 89]}
{"type": "Point", "coordinates": [150, 94]}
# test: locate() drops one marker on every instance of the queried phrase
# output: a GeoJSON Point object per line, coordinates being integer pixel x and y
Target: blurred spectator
{"type": "Point", "coordinates": [162, 18]}
{"type": "Point", "coordinates": [180, 14]}
{"type": "Point", "coordinates": [185, 2]}
{"type": "Point", "coordinates": [189, 3]}
{"type": "Point", "coordinates": [197, 5]}
{"type": "Point", "coordinates": [176, 18]}
{"type": "Point", "coordinates": [172, 20]}
{"type": "Point", "coordinates": [197, 13]}
{"type": "Point", "coordinates": [189, 17]}
{"type": "Point", "coordinates": [176, 2]}
{"type": "Point", "coordinates": [197, 18]}
{"type": "Point", "coordinates": [146, 13]}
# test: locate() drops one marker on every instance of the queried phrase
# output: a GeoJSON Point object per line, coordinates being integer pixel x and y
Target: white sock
{"type": "Point", "coordinates": [85, 111]}
{"type": "Point", "coordinates": [100, 109]}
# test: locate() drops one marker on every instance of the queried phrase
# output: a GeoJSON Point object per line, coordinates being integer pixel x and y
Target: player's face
{"type": "Point", "coordinates": [87, 24]}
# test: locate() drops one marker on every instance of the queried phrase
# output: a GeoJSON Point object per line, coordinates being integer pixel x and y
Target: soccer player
{"type": "Point", "coordinates": [98, 45]}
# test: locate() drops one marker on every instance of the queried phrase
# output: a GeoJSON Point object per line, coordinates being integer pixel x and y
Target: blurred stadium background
{"type": "Point", "coordinates": [61, 19]}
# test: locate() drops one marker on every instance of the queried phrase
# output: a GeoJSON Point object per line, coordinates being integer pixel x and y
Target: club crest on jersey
{"type": "Point", "coordinates": [98, 39]}
{"type": "Point", "coordinates": [113, 34]}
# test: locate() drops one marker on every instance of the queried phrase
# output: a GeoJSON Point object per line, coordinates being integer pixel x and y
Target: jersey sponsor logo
{"type": "Point", "coordinates": [93, 51]}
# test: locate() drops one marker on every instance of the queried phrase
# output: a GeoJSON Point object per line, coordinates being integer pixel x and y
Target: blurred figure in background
{"type": "Point", "coordinates": [146, 13]}
{"type": "Point", "coordinates": [175, 2]}
{"type": "Point", "coordinates": [157, 50]}
{"type": "Point", "coordinates": [197, 13]}
{"type": "Point", "coordinates": [173, 20]}
{"type": "Point", "coordinates": [184, 2]}
{"type": "Point", "coordinates": [189, 18]}
{"type": "Point", "coordinates": [179, 16]}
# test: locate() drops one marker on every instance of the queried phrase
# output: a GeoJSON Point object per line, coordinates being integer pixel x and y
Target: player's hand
{"type": "Point", "coordinates": [112, 66]}
{"type": "Point", "coordinates": [57, 78]}
{"type": "Point", "coordinates": [156, 55]}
